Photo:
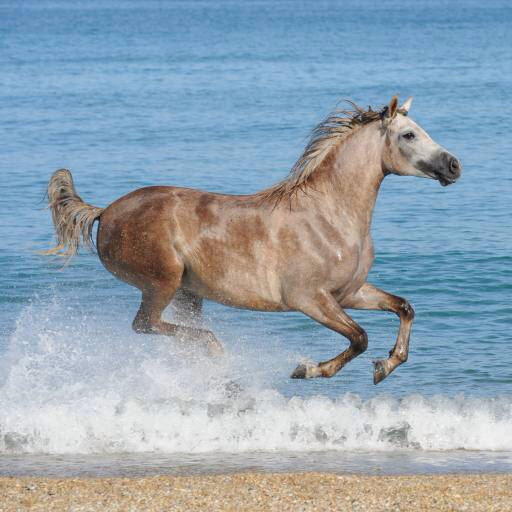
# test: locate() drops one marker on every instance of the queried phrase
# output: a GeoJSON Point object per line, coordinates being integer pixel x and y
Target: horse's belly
{"type": "Point", "coordinates": [238, 289]}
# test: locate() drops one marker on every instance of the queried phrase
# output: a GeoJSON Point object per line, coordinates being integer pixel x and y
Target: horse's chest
{"type": "Point", "coordinates": [349, 266]}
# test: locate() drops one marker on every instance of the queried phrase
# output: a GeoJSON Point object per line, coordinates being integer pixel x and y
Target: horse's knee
{"type": "Point", "coordinates": [405, 310]}
{"type": "Point", "coordinates": [359, 342]}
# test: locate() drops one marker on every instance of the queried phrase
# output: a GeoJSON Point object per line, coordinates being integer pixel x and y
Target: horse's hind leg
{"type": "Point", "coordinates": [187, 307]}
{"type": "Point", "coordinates": [324, 309]}
{"type": "Point", "coordinates": [370, 297]}
{"type": "Point", "coordinates": [155, 299]}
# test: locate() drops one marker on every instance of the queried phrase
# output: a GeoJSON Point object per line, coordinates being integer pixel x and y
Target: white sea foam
{"type": "Point", "coordinates": [74, 387]}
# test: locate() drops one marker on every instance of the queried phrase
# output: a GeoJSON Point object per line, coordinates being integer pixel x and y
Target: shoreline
{"type": "Point", "coordinates": [260, 491]}
{"type": "Point", "coordinates": [147, 464]}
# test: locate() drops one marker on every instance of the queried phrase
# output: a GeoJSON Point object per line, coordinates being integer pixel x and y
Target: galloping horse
{"type": "Point", "coordinates": [302, 245]}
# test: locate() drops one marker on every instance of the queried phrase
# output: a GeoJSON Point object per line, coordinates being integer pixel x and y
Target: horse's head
{"type": "Point", "coordinates": [409, 151]}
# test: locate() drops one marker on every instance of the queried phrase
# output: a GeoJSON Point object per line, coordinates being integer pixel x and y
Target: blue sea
{"type": "Point", "coordinates": [222, 95]}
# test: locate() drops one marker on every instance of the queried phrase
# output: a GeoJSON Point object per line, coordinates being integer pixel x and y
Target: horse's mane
{"type": "Point", "coordinates": [329, 134]}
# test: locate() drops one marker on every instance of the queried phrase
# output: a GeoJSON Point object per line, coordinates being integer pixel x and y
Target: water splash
{"type": "Point", "coordinates": [70, 385]}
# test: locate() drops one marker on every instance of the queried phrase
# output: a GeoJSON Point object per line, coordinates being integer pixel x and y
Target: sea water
{"type": "Point", "coordinates": [221, 95]}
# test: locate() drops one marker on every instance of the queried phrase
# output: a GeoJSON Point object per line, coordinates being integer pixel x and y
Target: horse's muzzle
{"type": "Point", "coordinates": [445, 168]}
{"type": "Point", "coordinates": [452, 174]}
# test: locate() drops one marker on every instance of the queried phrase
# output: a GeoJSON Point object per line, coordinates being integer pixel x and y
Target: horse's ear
{"type": "Point", "coordinates": [404, 109]}
{"type": "Point", "coordinates": [392, 107]}
{"type": "Point", "coordinates": [390, 111]}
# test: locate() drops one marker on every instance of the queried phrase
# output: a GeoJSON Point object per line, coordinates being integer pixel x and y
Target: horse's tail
{"type": "Point", "coordinates": [72, 218]}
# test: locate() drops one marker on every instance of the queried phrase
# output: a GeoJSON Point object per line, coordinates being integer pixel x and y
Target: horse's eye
{"type": "Point", "coordinates": [409, 136]}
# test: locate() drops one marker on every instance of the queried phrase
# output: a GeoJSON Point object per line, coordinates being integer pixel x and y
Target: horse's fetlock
{"type": "Point", "coordinates": [402, 357]}
{"type": "Point", "coordinates": [326, 374]}
{"type": "Point", "coordinates": [326, 370]}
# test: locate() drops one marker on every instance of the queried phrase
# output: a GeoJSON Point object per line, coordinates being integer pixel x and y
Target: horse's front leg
{"type": "Point", "coordinates": [370, 297]}
{"type": "Point", "coordinates": [323, 308]}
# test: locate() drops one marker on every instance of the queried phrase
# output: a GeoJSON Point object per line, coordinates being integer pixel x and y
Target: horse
{"type": "Point", "coordinates": [301, 245]}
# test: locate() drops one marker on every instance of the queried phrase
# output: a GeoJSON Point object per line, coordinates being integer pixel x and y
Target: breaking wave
{"type": "Point", "coordinates": [72, 386]}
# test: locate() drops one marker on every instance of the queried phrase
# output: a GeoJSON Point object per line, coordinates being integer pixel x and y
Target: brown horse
{"type": "Point", "coordinates": [301, 245]}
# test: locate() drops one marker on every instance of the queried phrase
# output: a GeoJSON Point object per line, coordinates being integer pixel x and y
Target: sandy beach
{"type": "Point", "coordinates": [256, 491]}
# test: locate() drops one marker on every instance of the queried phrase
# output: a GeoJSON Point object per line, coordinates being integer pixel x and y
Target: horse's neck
{"type": "Point", "coordinates": [350, 178]}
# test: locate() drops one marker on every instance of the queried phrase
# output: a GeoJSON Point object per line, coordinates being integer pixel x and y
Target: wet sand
{"type": "Point", "coordinates": [260, 492]}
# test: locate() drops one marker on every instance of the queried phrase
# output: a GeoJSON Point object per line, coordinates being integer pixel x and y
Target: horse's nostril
{"type": "Point", "coordinates": [454, 166]}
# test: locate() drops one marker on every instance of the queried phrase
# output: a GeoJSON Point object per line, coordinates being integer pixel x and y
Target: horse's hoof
{"type": "Point", "coordinates": [379, 371]}
{"type": "Point", "coordinates": [299, 372]}
{"type": "Point", "coordinates": [306, 371]}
